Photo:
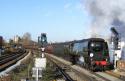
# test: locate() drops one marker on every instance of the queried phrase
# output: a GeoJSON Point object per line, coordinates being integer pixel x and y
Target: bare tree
{"type": "Point", "coordinates": [26, 38]}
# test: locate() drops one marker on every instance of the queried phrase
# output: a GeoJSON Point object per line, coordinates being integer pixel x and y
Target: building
{"type": "Point", "coordinates": [16, 39]}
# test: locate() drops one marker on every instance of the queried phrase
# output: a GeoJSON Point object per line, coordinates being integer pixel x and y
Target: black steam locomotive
{"type": "Point", "coordinates": [90, 53]}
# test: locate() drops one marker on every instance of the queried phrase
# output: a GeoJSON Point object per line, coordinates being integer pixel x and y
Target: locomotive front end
{"type": "Point", "coordinates": [99, 55]}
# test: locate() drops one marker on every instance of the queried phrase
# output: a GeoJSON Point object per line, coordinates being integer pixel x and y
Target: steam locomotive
{"type": "Point", "coordinates": [90, 53]}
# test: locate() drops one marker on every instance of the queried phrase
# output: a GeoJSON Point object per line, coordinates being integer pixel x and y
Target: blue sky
{"type": "Point", "coordinates": [62, 20]}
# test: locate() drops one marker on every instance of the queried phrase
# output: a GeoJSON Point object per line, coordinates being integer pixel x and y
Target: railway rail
{"type": "Point", "coordinates": [78, 76]}
{"type": "Point", "coordinates": [83, 74]}
{"type": "Point", "coordinates": [63, 73]}
{"type": "Point", "coordinates": [10, 59]}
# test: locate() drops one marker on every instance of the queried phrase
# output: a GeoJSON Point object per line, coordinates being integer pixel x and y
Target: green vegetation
{"type": "Point", "coordinates": [23, 71]}
{"type": "Point", "coordinates": [48, 74]}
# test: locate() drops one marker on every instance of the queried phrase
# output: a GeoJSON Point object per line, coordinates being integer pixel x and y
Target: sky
{"type": "Point", "coordinates": [61, 20]}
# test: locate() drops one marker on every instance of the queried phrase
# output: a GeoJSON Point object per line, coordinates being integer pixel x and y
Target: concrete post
{"type": "Point", "coordinates": [37, 74]}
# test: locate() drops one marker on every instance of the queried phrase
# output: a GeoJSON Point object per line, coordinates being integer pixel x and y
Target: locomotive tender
{"type": "Point", "coordinates": [91, 53]}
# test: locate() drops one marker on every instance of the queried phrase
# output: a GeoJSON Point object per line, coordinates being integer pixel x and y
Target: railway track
{"type": "Point", "coordinates": [10, 59]}
{"type": "Point", "coordinates": [83, 74]}
{"type": "Point", "coordinates": [5, 56]}
{"type": "Point", "coordinates": [60, 70]}
{"type": "Point", "coordinates": [78, 76]}
{"type": "Point", "coordinates": [63, 73]}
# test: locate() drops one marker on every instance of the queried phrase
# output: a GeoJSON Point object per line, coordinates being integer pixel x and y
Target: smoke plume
{"type": "Point", "coordinates": [106, 14]}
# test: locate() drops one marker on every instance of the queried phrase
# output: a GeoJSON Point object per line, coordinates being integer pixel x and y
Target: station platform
{"type": "Point", "coordinates": [120, 72]}
{"type": "Point", "coordinates": [117, 73]}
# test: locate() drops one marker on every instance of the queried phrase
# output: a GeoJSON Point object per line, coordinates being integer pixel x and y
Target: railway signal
{"type": "Point", "coordinates": [40, 63]}
{"type": "Point", "coordinates": [42, 40]}
{"type": "Point", "coordinates": [115, 39]}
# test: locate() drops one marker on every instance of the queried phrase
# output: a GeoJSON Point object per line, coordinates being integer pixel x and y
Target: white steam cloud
{"type": "Point", "coordinates": [106, 14]}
